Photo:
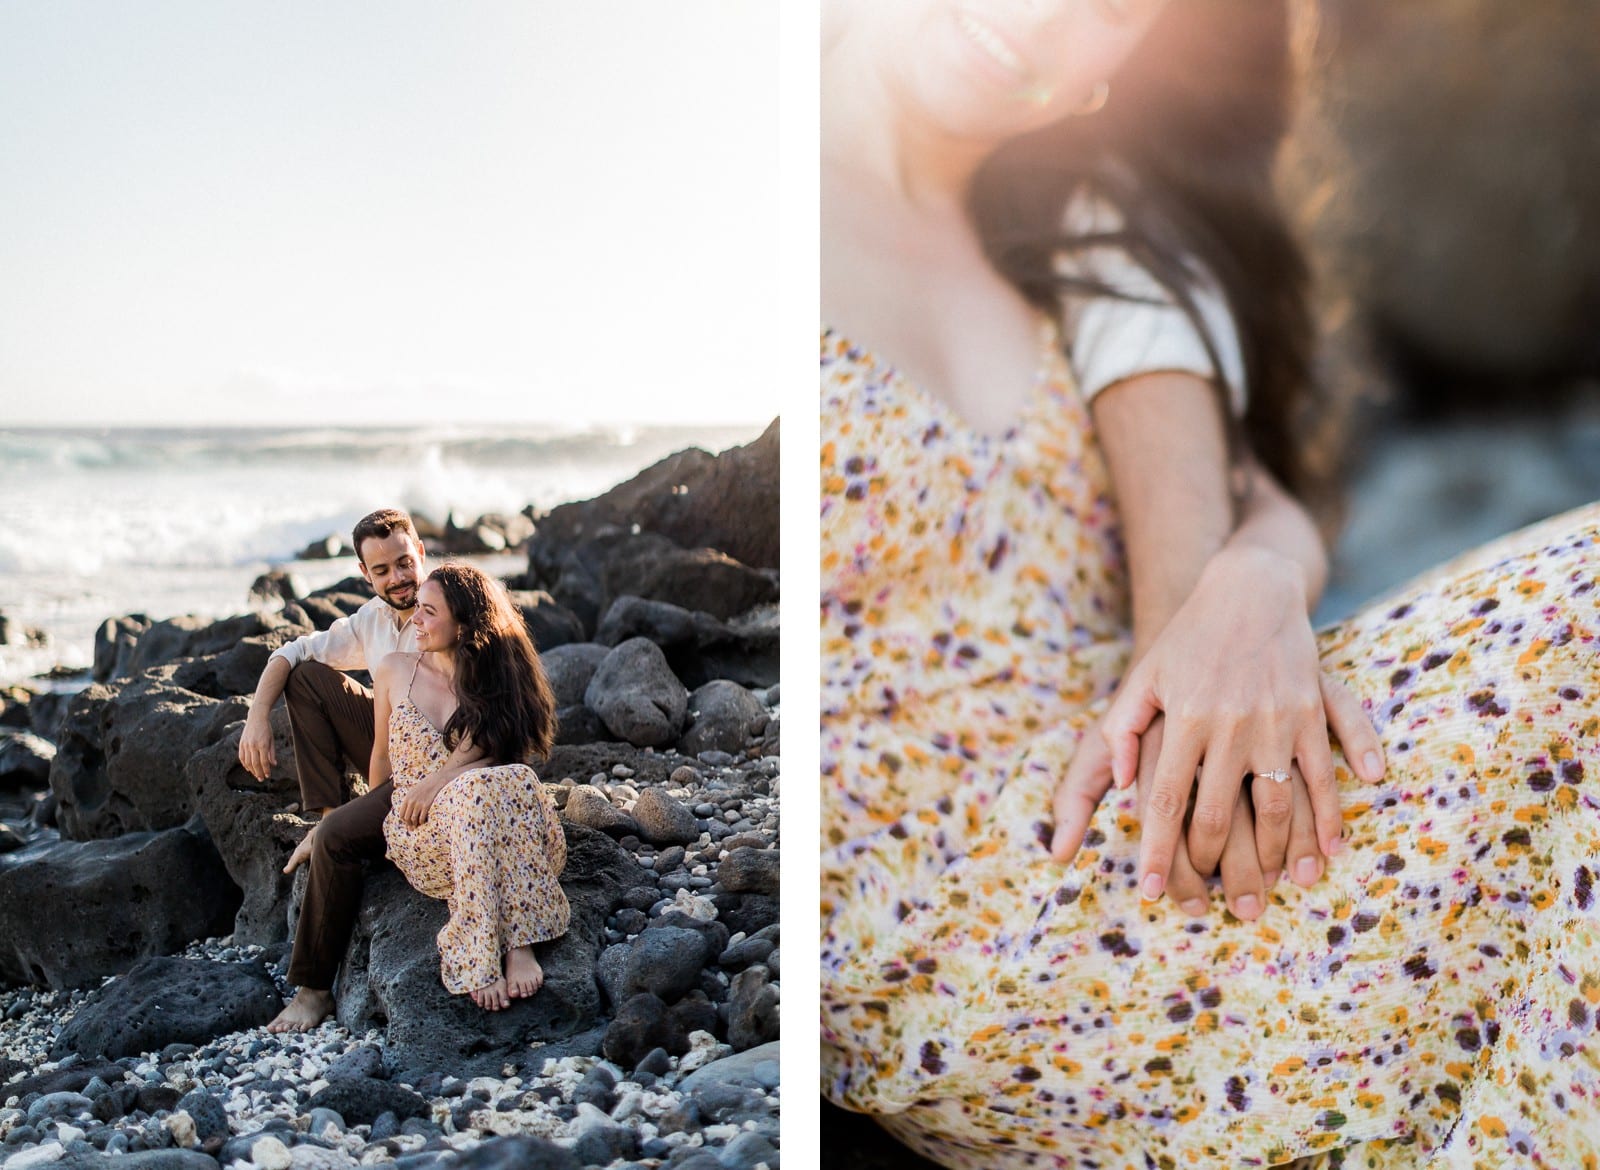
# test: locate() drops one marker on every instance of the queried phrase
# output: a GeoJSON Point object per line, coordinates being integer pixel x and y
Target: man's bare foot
{"type": "Point", "coordinates": [524, 976]}
{"type": "Point", "coordinates": [492, 998]}
{"type": "Point", "coordinates": [302, 852]}
{"type": "Point", "coordinates": [306, 1010]}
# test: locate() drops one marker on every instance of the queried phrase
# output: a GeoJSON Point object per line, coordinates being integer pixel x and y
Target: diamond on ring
{"type": "Point", "coordinates": [1277, 775]}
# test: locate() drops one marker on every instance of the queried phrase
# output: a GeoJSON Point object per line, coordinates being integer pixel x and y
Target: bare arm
{"type": "Point", "coordinates": [1164, 441]}
{"type": "Point", "coordinates": [379, 769]}
{"type": "Point", "coordinates": [465, 756]}
{"type": "Point", "coordinates": [1224, 667]}
{"type": "Point", "coordinates": [256, 752]}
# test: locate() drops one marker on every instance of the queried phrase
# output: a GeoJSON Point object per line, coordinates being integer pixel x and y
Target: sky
{"type": "Point", "coordinates": [400, 211]}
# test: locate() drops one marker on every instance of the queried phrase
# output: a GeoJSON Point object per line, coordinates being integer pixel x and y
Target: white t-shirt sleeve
{"type": "Point", "coordinates": [1110, 339]}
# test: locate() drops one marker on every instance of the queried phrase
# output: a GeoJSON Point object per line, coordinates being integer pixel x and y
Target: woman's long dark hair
{"type": "Point", "coordinates": [1184, 149]}
{"type": "Point", "coordinates": [504, 702]}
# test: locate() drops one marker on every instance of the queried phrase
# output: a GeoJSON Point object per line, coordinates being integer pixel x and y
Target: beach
{"type": "Point", "coordinates": [135, 1012]}
{"type": "Point", "coordinates": [166, 521]}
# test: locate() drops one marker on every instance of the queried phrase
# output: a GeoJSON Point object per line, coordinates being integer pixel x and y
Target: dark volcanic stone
{"type": "Point", "coordinates": [110, 904]}
{"type": "Point", "coordinates": [360, 1100]}
{"type": "Point", "coordinates": [114, 644]}
{"type": "Point", "coordinates": [746, 912]}
{"type": "Point", "coordinates": [550, 624]}
{"type": "Point", "coordinates": [71, 1079]}
{"type": "Point", "coordinates": [698, 647]}
{"type": "Point", "coordinates": [664, 961]}
{"type": "Point", "coordinates": [253, 835]}
{"type": "Point", "coordinates": [571, 667]}
{"type": "Point", "coordinates": [747, 1151]}
{"type": "Point", "coordinates": [663, 820]}
{"type": "Point", "coordinates": [141, 1160]}
{"type": "Point", "coordinates": [727, 502]}
{"type": "Point", "coordinates": [121, 754]}
{"type": "Point", "coordinates": [155, 1098]}
{"type": "Point", "coordinates": [517, 1152]}
{"type": "Point", "coordinates": [642, 1023]}
{"type": "Point", "coordinates": [210, 1120]}
{"type": "Point", "coordinates": [650, 566]}
{"type": "Point", "coordinates": [238, 1148]}
{"type": "Point", "coordinates": [24, 760]}
{"type": "Point", "coordinates": [578, 725]}
{"type": "Point", "coordinates": [364, 1061]}
{"type": "Point", "coordinates": [750, 871]}
{"type": "Point", "coordinates": [604, 1143]}
{"type": "Point", "coordinates": [583, 761]}
{"type": "Point", "coordinates": [608, 970]}
{"type": "Point", "coordinates": [598, 1088]}
{"type": "Point", "coordinates": [589, 807]}
{"type": "Point", "coordinates": [754, 949]}
{"type": "Point", "coordinates": [752, 1010]}
{"type": "Point", "coordinates": [391, 974]}
{"type": "Point", "coordinates": [637, 696]}
{"type": "Point", "coordinates": [722, 717]}
{"type": "Point", "coordinates": [656, 1062]}
{"type": "Point", "coordinates": [696, 1013]}
{"type": "Point", "coordinates": [194, 637]}
{"type": "Point", "coordinates": [47, 713]}
{"type": "Point", "coordinates": [163, 1000]}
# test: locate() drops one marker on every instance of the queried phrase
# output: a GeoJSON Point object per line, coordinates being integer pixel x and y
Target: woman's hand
{"type": "Point", "coordinates": [1248, 872]}
{"type": "Point", "coordinates": [1236, 674]}
{"type": "Point", "coordinates": [413, 808]}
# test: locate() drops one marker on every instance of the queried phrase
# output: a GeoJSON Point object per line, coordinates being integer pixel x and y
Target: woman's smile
{"type": "Point", "coordinates": [1007, 64]}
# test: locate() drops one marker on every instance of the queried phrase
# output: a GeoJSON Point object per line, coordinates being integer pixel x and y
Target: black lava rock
{"type": "Point", "coordinates": [162, 1000]}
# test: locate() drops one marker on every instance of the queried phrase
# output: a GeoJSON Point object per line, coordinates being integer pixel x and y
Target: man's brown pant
{"type": "Point", "coordinates": [347, 837]}
{"type": "Point", "coordinates": [330, 718]}
{"type": "Point", "coordinates": [330, 715]}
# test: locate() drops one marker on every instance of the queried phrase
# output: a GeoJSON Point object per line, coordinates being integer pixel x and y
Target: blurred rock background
{"type": "Point", "coordinates": [1445, 170]}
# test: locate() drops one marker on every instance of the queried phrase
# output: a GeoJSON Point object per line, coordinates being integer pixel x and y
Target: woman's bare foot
{"type": "Point", "coordinates": [492, 998]}
{"type": "Point", "coordinates": [306, 1010]}
{"type": "Point", "coordinates": [302, 851]}
{"type": "Point", "coordinates": [524, 976]}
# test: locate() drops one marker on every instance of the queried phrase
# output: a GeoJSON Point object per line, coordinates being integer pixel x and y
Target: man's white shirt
{"type": "Point", "coordinates": [357, 642]}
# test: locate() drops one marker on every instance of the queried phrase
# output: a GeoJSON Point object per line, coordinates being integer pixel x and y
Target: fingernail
{"type": "Point", "coordinates": [1272, 879]}
{"type": "Point", "coordinates": [1373, 765]}
{"type": "Point", "coordinates": [1247, 907]}
{"type": "Point", "coordinates": [1152, 886]}
{"type": "Point", "coordinates": [1195, 907]}
{"type": "Point", "coordinates": [1305, 870]}
{"type": "Point", "coordinates": [1335, 846]}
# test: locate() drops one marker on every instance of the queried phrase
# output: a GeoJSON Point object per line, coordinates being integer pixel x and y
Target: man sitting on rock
{"type": "Point", "coordinates": [330, 717]}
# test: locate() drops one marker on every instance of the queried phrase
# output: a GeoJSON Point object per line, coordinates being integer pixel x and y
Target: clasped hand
{"type": "Point", "coordinates": [413, 807]}
{"type": "Point", "coordinates": [1232, 685]}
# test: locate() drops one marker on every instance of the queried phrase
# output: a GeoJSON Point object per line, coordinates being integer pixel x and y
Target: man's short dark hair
{"type": "Point", "coordinates": [383, 523]}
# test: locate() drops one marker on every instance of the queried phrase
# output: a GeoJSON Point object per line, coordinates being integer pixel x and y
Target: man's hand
{"type": "Point", "coordinates": [255, 746]}
{"type": "Point", "coordinates": [302, 852]}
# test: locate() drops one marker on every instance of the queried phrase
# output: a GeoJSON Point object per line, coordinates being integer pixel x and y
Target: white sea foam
{"type": "Point", "coordinates": [95, 524]}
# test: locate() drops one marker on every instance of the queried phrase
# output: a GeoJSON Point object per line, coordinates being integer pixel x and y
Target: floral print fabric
{"type": "Point", "coordinates": [1433, 1001]}
{"type": "Point", "coordinates": [492, 846]}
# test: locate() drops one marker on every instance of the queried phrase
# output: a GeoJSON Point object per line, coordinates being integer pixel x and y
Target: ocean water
{"type": "Point", "coordinates": [100, 522]}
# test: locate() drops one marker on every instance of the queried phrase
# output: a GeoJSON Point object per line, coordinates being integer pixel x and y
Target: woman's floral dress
{"type": "Point", "coordinates": [492, 846]}
{"type": "Point", "coordinates": [1433, 1001]}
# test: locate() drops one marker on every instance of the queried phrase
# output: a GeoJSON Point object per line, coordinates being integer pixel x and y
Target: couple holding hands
{"type": "Point", "coordinates": [459, 703]}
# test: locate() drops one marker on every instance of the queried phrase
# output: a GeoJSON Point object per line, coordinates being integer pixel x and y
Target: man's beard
{"type": "Point", "coordinates": [410, 603]}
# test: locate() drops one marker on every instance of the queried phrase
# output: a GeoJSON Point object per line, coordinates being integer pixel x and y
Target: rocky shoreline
{"type": "Point", "coordinates": [133, 1024]}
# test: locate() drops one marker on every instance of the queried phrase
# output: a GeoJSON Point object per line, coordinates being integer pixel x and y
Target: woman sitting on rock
{"type": "Point", "coordinates": [471, 822]}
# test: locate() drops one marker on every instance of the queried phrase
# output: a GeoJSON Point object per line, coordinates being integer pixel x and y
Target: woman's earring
{"type": "Point", "coordinates": [1097, 99]}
